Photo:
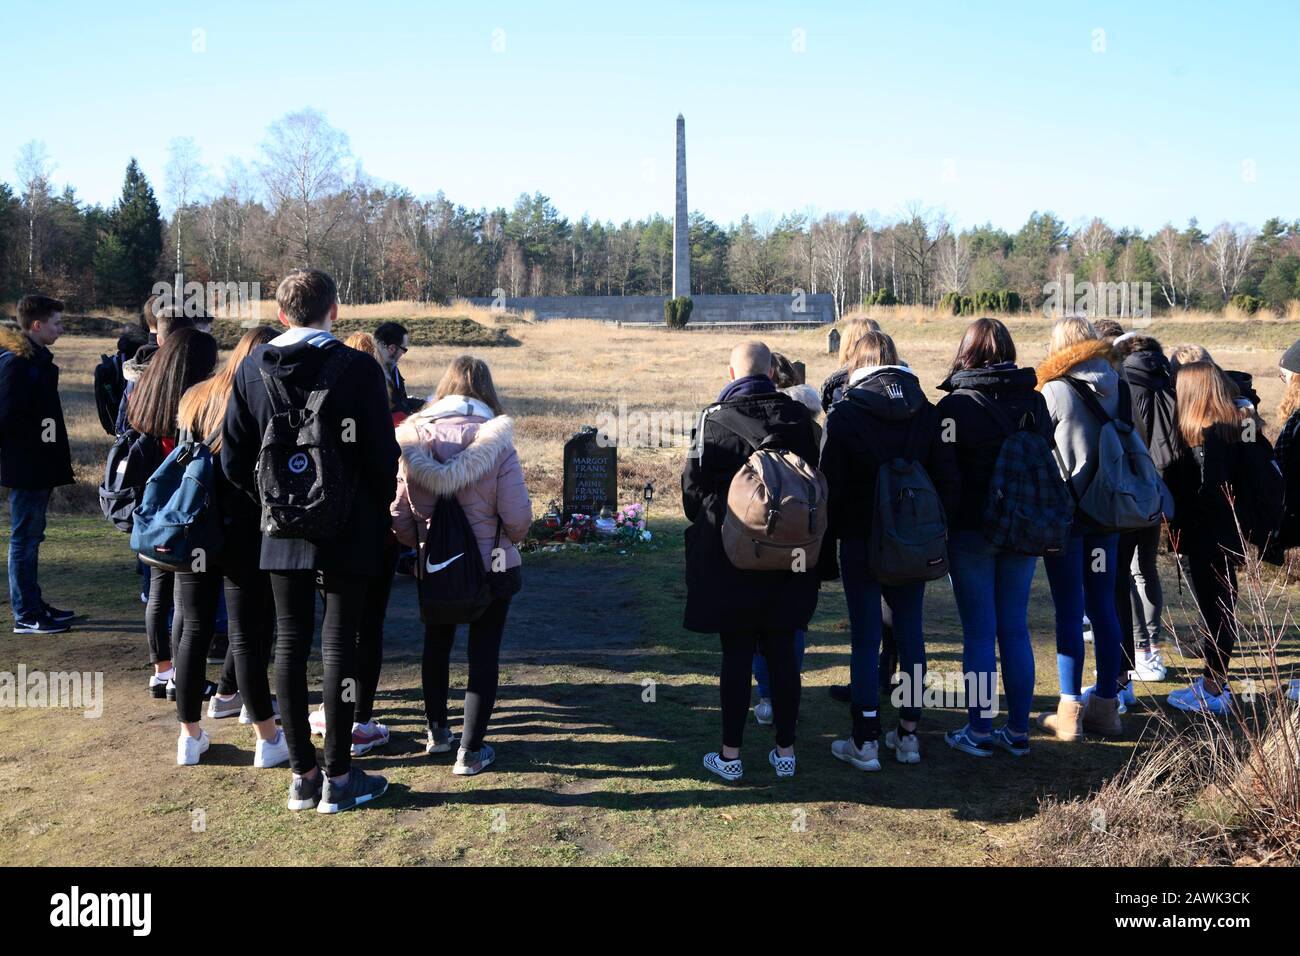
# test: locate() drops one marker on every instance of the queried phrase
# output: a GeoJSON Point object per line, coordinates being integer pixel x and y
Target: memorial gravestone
{"type": "Point", "coordinates": [590, 474]}
{"type": "Point", "coordinates": [833, 342]}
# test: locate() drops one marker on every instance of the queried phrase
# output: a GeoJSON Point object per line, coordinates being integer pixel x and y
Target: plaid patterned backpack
{"type": "Point", "coordinates": [1029, 510]}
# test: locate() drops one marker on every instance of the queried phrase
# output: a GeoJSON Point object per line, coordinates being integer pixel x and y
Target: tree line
{"type": "Point", "coordinates": [306, 200]}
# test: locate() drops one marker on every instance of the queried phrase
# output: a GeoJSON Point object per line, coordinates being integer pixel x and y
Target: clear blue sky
{"type": "Point", "coordinates": [987, 110]}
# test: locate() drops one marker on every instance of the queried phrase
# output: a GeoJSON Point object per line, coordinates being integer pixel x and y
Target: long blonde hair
{"type": "Point", "coordinates": [1205, 403]}
{"type": "Point", "coordinates": [854, 329]}
{"type": "Point", "coordinates": [1068, 331]}
{"type": "Point", "coordinates": [1290, 398]}
{"type": "Point", "coordinates": [203, 406]}
{"type": "Point", "coordinates": [471, 377]}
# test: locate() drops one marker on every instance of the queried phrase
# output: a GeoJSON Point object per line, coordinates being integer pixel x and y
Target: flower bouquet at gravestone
{"type": "Point", "coordinates": [630, 523]}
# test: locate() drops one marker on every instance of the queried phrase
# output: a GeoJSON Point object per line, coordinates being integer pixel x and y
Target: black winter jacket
{"type": "Point", "coordinates": [34, 451]}
{"type": "Point", "coordinates": [1148, 375]}
{"type": "Point", "coordinates": [978, 437]}
{"type": "Point", "coordinates": [1203, 524]}
{"type": "Point", "coordinates": [360, 395]}
{"type": "Point", "coordinates": [874, 423]}
{"type": "Point", "coordinates": [719, 596]}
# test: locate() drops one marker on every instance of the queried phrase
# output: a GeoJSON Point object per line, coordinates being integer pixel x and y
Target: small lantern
{"type": "Point", "coordinates": [648, 493]}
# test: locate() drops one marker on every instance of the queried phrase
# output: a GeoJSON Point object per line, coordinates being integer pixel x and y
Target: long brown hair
{"type": "Point", "coordinates": [365, 342]}
{"type": "Point", "coordinates": [1290, 398]}
{"type": "Point", "coordinates": [1205, 404]}
{"type": "Point", "coordinates": [203, 406]}
{"type": "Point", "coordinates": [470, 377]}
{"type": "Point", "coordinates": [854, 329]}
{"type": "Point", "coordinates": [185, 359]}
{"type": "Point", "coordinates": [871, 348]}
{"type": "Point", "coordinates": [985, 342]}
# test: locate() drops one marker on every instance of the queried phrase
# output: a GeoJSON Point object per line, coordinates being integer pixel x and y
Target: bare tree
{"type": "Point", "coordinates": [1167, 245]}
{"type": "Point", "coordinates": [185, 175]}
{"type": "Point", "coordinates": [303, 160]}
{"type": "Point", "coordinates": [833, 241]}
{"type": "Point", "coordinates": [1228, 251]}
{"type": "Point", "coordinates": [34, 169]}
{"type": "Point", "coordinates": [918, 233]}
{"type": "Point", "coordinates": [954, 264]}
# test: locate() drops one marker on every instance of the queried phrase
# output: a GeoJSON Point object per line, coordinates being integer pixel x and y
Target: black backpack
{"type": "Point", "coordinates": [110, 384]}
{"type": "Point", "coordinates": [1260, 493]}
{"type": "Point", "coordinates": [452, 586]}
{"type": "Point", "coordinates": [302, 479]}
{"type": "Point", "coordinates": [131, 461]}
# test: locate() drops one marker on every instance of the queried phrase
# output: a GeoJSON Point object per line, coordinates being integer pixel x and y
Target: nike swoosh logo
{"type": "Point", "coordinates": [438, 567]}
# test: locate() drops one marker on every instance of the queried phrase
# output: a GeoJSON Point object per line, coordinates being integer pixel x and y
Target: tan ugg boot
{"type": "Point", "coordinates": [1067, 723]}
{"type": "Point", "coordinates": [1101, 716]}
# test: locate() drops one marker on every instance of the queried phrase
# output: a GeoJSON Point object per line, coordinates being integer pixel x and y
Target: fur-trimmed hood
{"type": "Point", "coordinates": [420, 434]}
{"type": "Point", "coordinates": [16, 341]}
{"type": "Point", "coordinates": [1093, 353]}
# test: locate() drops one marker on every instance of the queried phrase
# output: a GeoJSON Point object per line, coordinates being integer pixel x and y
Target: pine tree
{"type": "Point", "coordinates": [137, 227]}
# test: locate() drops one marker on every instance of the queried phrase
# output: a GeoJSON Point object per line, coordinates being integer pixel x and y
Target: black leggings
{"type": "Point", "coordinates": [295, 611]}
{"type": "Point", "coordinates": [738, 649]}
{"type": "Point", "coordinates": [1214, 581]}
{"type": "Point", "coordinates": [251, 612]}
{"type": "Point", "coordinates": [163, 640]}
{"type": "Point", "coordinates": [484, 651]}
{"type": "Point", "coordinates": [196, 608]}
{"type": "Point", "coordinates": [370, 635]}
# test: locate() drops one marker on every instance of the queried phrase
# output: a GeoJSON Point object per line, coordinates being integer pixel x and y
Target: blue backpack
{"type": "Point", "coordinates": [1029, 510]}
{"type": "Point", "coordinates": [177, 525]}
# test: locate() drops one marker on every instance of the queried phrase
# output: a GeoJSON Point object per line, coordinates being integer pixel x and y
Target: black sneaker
{"type": "Point", "coordinates": [217, 650]}
{"type": "Point", "coordinates": [58, 615]}
{"type": "Point", "coordinates": [303, 793]}
{"type": "Point", "coordinates": [361, 787]}
{"type": "Point", "coordinates": [209, 688]}
{"type": "Point", "coordinates": [840, 692]}
{"type": "Point", "coordinates": [41, 625]}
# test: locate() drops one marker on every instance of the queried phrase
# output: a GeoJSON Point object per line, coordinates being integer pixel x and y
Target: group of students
{"type": "Point", "coordinates": [380, 469]}
{"type": "Point", "coordinates": [376, 464]}
{"type": "Point", "coordinates": [1007, 454]}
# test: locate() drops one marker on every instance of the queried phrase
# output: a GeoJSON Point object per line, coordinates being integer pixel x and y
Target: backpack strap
{"type": "Point", "coordinates": [1088, 396]}
{"type": "Point", "coordinates": [997, 413]}
{"type": "Point", "coordinates": [337, 359]}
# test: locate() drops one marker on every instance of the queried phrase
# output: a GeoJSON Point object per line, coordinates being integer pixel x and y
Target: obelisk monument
{"type": "Point", "coordinates": [681, 228]}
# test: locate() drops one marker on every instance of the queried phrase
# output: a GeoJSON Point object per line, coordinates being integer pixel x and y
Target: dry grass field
{"type": "Point", "coordinates": [589, 770]}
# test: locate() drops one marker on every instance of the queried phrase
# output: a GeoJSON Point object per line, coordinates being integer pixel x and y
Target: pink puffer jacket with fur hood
{"type": "Point", "coordinates": [456, 445]}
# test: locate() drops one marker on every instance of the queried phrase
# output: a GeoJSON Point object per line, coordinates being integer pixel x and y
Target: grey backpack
{"type": "Point", "coordinates": [909, 530]}
{"type": "Point", "coordinates": [1126, 493]}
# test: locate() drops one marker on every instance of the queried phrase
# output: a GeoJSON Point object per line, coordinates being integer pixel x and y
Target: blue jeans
{"type": "Point", "coordinates": [992, 592]}
{"type": "Point", "coordinates": [27, 523]}
{"type": "Point", "coordinates": [1083, 580]}
{"type": "Point", "coordinates": [762, 676]}
{"type": "Point", "coordinates": [862, 594]}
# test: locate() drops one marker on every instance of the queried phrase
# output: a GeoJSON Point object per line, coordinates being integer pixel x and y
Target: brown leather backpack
{"type": "Point", "coordinates": [776, 512]}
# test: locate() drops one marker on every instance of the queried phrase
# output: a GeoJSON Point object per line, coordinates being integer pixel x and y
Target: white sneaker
{"type": "Point", "coordinates": [189, 749]}
{"type": "Point", "coordinates": [1087, 630]}
{"type": "Point", "coordinates": [763, 711]}
{"type": "Point", "coordinates": [907, 748]}
{"type": "Point", "coordinates": [246, 715]}
{"type": "Point", "coordinates": [729, 770]}
{"type": "Point", "coordinates": [1150, 667]}
{"type": "Point", "coordinates": [316, 721]}
{"type": "Point", "coordinates": [271, 753]}
{"type": "Point", "coordinates": [784, 766]}
{"type": "Point", "coordinates": [218, 708]}
{"type": "Point", "coordinates": [868, 758]}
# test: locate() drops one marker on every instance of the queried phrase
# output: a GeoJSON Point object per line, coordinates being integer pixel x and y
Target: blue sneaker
{"type": "Point", "coordinates": [967, 743]}
{"type": "Point", "coordinates": [1016, 746]}
{"type": "Point", "coordinates": [1195, 700]}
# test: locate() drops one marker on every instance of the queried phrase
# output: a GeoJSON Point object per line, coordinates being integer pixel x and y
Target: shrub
{"type": "Point", "coordinates": [884, 297]}
{"type": "Point", "coordinates": [1250, 304]}
{"type": "Point", "coordinates": [677, 312]}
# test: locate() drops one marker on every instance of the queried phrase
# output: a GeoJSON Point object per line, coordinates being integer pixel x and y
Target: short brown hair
{"type": "Point", "coordinates": [472, 378]}
{"type": "Point", "coordinates": [306, 295]}
{"type": "Point", "coordinates": [171, 319]}
{"type": "Point", "coordinates": [37, 308]}
{"type": "Point", "coordinates": [986, 342]}
{"type": "Point", "coordinates": [149, 313]}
